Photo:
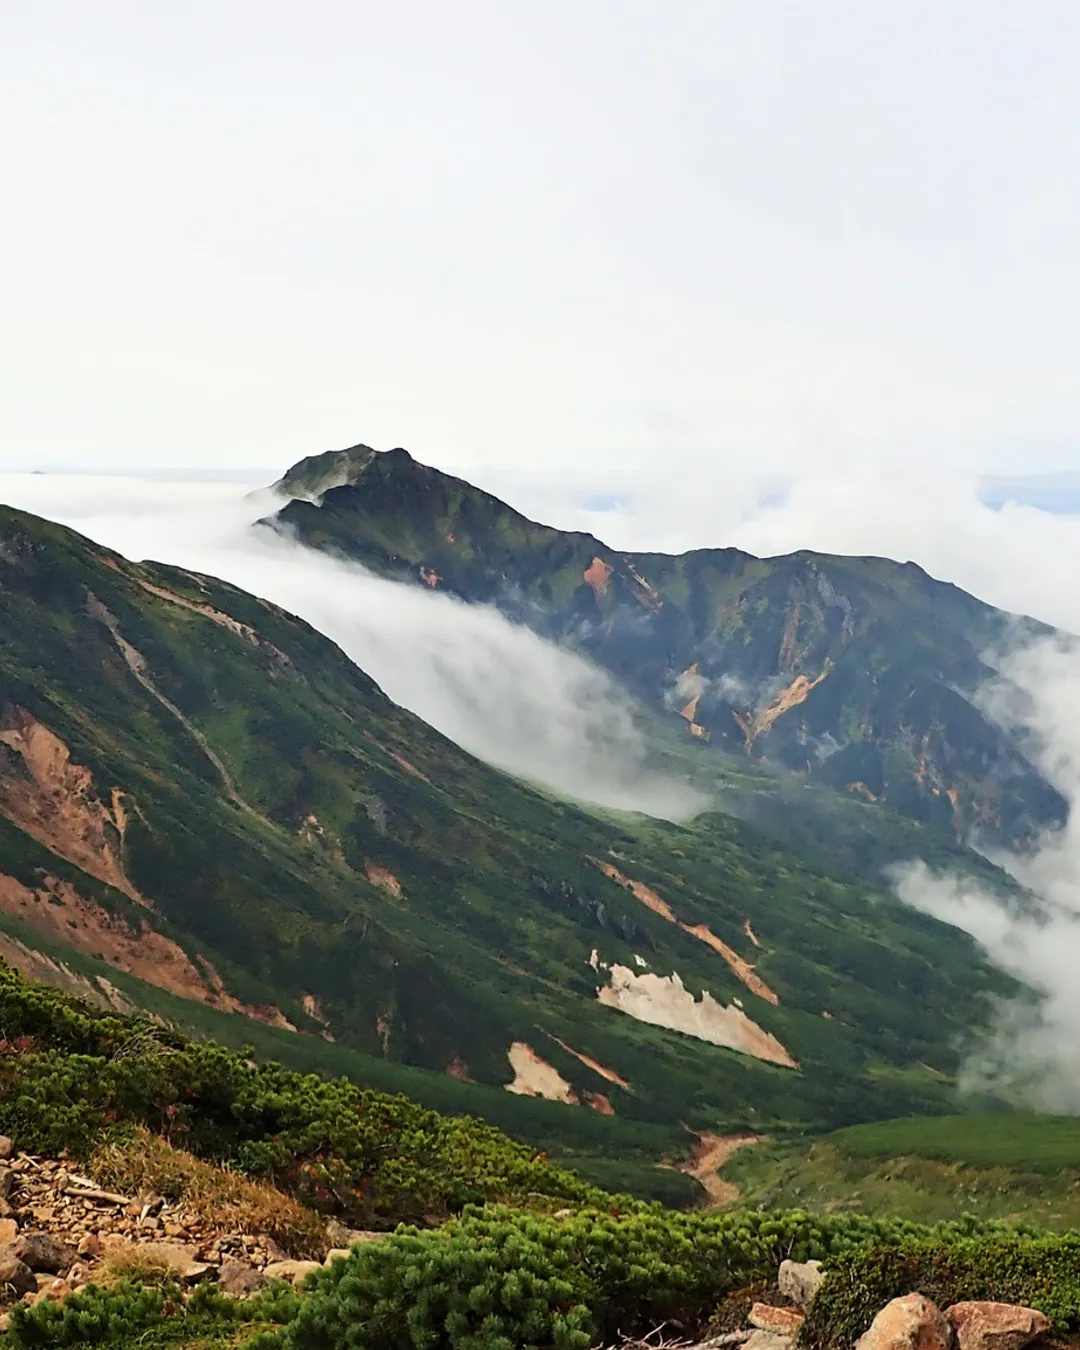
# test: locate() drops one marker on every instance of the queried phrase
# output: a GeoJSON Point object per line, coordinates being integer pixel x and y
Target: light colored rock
{"type": "Point", "coordinates": [768, 1340]}
{"type": "Point", "coordinates": [179, 1259]}
{"type": "Point", "coordinates": [337, 1254]}
{"type": "Point", "coordinates": [295, 1272]}
{"type": "Point", "coordinates": [9, 1231]}
{"type": "Point", "coordinates": [6, 1147]}
{"type": "Point", "coordinates": [800, 1281]}
{"type": "Point", "coordinates": [909, 1323]}
{"type": "Point", "coordinates": [16, 1277]}
{"type": "Point", "coordinates": [240, 1280]}
{"type": "Point", "coordinates": [784, 1321]}
{"type": "Point", "coordinates": [995, 1326]}
{"type": "Point", "coordinates": [90, 1245]}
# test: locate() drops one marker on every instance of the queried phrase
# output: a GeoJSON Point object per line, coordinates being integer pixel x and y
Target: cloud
{"type": "Point", "coordinates": [1034, 1052]}
{"type": "Point", "coordinates": [506, 695]}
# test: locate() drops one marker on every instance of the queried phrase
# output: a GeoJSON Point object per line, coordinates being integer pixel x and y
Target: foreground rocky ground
{"type": "Point", "coordinates": [913, 1322]}
{"type": "Point", "coordinates": [60, 1230]}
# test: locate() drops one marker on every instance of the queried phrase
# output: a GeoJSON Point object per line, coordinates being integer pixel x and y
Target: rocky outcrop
{"type": "Point", "coordinates": [781, 1321]}
{"type": "Point", "coordinates": [909, 1323]}
{"type": "Point", "coordinates": [799, 1281]}
{"type": "Point", "coordinates": [995, 1326]}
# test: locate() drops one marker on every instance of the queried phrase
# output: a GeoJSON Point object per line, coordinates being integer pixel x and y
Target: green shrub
{"type": "Point", "coordinates": [72, 1078]}
{"type": "Point", "coordinates": [144, 1312]}
{"type": "Point", "coordinates": [495, 1280]}
{"type": "Point", "coordinates": [1001, 1265]}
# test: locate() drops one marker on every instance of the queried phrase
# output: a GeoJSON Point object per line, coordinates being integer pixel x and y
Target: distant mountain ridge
{"type": "Point", "coordinates": [856, 673]}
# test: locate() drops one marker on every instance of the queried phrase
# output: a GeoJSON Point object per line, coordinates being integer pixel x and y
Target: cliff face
{"type": "Point", "coordinates": [854, 673]}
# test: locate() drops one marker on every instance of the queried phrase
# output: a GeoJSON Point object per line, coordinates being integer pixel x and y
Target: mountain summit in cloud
{"type": "Point", "coordinates": [857, 673]}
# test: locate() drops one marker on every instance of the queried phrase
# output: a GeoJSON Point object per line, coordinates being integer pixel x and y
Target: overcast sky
{"type": "Point", "coordinates": [577, 234]}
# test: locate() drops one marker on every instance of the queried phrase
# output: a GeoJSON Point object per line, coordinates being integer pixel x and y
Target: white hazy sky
{"type": "Point", "coordinates": [578, 234]}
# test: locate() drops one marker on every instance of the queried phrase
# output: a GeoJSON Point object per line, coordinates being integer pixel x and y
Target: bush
{"type": "Point", "coordinates": [73, 1079]}
{"type": "Point", "coordinates": [1000, 1265]}
{"type": "Point", "coordinates": [495, 1280]}
{"type": "Point", "coordinates": [145, 1312]}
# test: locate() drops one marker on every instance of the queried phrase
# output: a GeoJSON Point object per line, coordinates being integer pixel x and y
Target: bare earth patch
{"type": "Point", "coordinates": [649, 898]}
{"type": "Point", "coordinates": [59, 912]}
{"type": "Point", "coordinates": [55, 802]}
{"type": "Point", "coordinates": [535, 1077]}
{"type": "Point", "coordinates": [709, 1154]}
{"type": "Point", "coordinates": [664, 1001]}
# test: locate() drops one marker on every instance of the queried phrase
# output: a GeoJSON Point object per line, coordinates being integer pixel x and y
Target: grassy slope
{"type": "Point", "coordinates": [889, 650]}
{"type": "Point", "coordinates": [500, 906]}
{"type": "Point", "coordinates": [1015, 1167]}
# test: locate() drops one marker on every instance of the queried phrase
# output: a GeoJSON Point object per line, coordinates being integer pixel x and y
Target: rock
{"type": "Point", "coordinates": [293, 1271]}
{"type": "Point", "coordinates": [7, 1148]}
{"type": "Point", "coordinates": [784, 1321]}
{"type": "Point", "coordinates": [909, 1323]}
{"type": "Point", "coordinates": [800, 1281]}
{"type": "Point", "coordinates": [179, 1259]}
{"type": "Point", "coordinates": [91, 1245]}
{"type": "Point", "coordinates": [15, 1276]}
{"type": "Point", "coordinates": [337, 1254]}
{"type": "Point", "coordinates": [768, 1340]}
{"type": "Point", "coordinates": [995, 1326]}
{"type": "Point", "coordinates": [7, 1181]}
{"type": "Point", "coordinates": [9, 1231]}
{"type": "Point", "coordinates": [240, 1280]}
{"type": "Point", "coordinates": [42, 1252]}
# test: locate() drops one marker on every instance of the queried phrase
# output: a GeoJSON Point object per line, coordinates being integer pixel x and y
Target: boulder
{"type": "Point", "coordinates": [784, 1321]}
{"type": "Point", "coordinates": [768, 1340]}
{"type": "Point", "coordinates": [7, 1148]}
{"type": "Point", "coordinates": [9, 1231]}
{"type": "Point", "coordinates": [909, 1323]}
{"type": "Point", "coordinates": [179, 1259]}
{"type": "Point", "coordinates": [295, 1272]}
{"type": "Point", "coordinates": [239, 1280]}
{"type": "Point", "coordinates": [337, 1254]}
{"type": "Point", "coordinates": [42, 1253]}
{"type": "Point", "coordinates": [800, 1281]}
{"type": "Point", "coordinates": [995, 1326]}
{"type": "Point", "coordinates": [16, 1277]}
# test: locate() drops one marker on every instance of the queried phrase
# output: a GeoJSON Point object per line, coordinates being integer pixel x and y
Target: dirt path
{"type": "Point", "coordinates": [708, 1156]}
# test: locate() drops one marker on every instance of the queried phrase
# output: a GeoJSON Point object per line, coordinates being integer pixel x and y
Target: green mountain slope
{"type": "Point", "coordinates": [854, 673]}
{"type": "Point", "coordinates": [202, 791]}
{"type": "Point", "coordinates": [1013, 1167]}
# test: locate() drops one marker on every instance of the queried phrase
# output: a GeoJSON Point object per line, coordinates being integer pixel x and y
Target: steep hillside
{"type": "Point", "coordinates": [855, 673]}
{"type": "Point", "coordinates": [201, 791]}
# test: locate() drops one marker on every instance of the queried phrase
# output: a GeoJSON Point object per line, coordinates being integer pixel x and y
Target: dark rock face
{"type": "Point", "coordinates": [855, 673]}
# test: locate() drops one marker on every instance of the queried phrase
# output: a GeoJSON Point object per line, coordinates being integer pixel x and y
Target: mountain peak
{"type": "Point", "coordinates": [317, 474]}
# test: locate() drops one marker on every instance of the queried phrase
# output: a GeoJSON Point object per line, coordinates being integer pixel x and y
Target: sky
{"type": "Point", "coordinates": [591, 240]}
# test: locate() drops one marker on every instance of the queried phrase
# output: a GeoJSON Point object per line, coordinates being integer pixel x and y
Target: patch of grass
{"type": "Point", "coordinates": [1030, 1143]}
{"type": "Point", "coordinates": [212, 1194]}
{"type": "Point", "coordinates": [1009, 1167]}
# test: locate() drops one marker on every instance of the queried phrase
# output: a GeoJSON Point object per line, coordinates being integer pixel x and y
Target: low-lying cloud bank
{"type": "Point", "coordinates": [498, 690]}
{"type": "Point", "coordinates": [1034, 1053]}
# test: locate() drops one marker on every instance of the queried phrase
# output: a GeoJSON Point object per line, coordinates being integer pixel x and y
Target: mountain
{"type": "Point", "coordinates": [858, 674]}
{"type": "Point", "coordinates": [202, 800]}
